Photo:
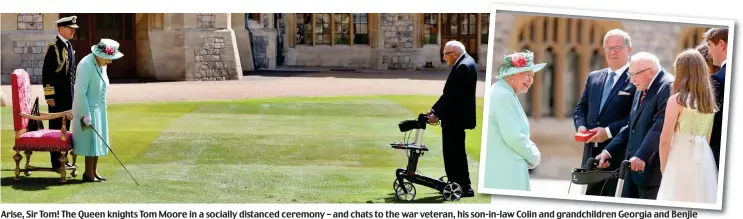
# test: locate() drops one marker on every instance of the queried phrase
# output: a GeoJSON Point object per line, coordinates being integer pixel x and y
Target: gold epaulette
{"type": "Point", "coordinates": [48, 90]}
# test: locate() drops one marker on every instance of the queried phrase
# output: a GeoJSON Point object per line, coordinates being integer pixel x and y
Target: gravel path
{"type": "Point", "coordinates": [276, 85]}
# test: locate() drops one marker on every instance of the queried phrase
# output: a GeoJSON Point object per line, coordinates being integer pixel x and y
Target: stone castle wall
{"type": "Point", "coordinates": [395, 50]}
{"type": "Point", "coordinates": [24, 40]}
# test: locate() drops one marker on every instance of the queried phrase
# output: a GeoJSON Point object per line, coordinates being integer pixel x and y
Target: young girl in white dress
{"type": "Point", "coordinates": [686, 161]}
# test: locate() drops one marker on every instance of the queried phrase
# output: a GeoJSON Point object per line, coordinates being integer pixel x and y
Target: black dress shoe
{"type": "Point", "coordinates": [86, 179]}
{"type": "Point", "coordinates": [100, 178]}
{"type": "Point", "coordinates": [468, 192]}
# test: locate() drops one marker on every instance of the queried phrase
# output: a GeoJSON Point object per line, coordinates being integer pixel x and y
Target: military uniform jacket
{"type": "Point", "coordinates": [58, 75]}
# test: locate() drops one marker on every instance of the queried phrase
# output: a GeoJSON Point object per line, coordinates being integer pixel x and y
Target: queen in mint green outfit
{"type": "Point", "coordinates": [510, 153]}
{"type": "Point", "coordinates": [89, 107]}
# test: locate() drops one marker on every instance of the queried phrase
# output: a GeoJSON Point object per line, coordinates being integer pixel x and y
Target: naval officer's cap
{"type": "Point", "coordinates": [70, 21]}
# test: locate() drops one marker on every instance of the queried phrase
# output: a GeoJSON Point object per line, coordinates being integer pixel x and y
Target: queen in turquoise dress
{"type": "Point", "coordinates": [510, 153]}
{"type": "Point", "coordinates": [89, 107]}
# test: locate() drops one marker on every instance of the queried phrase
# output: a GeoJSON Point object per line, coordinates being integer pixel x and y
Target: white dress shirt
{"type": "Point", "coordinates": [618, 73]}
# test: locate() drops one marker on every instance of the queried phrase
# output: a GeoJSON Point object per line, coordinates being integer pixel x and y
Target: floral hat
{"type": "Point", "coordinates": [107, 49]}
{"type": "Point", "coordinates": [518, 62]}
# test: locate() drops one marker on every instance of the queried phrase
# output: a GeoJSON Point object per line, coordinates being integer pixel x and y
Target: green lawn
{"type": "Point", "coordinates": [278, 150]}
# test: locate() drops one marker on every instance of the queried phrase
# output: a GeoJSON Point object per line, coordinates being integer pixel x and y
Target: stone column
{"type": "Point", "coordinates": [264, 41]}
{"type": "Point", "coordinates": [561, 63]}
{"type": "Point", "coordinates": [211, 53]}
{"type": "Point", "coordinates": [536, 101]}
{"type": "Point", "coordinates": [398, 46]}
{"type": "Point", "coordinates": [167, 48]}
{"type": "Point", "coordinates": [243, 41]}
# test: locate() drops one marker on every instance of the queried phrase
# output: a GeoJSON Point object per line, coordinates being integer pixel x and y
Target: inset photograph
{"type": "Point", "coordinates": [606, 107]}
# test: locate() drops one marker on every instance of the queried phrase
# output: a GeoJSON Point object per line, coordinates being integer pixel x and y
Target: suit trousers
{"type": "Point", "coordinates": [56, 124]}
{"type": "Point", "coordinates": [455, 156]}
{"type": "Point", "coordinates": [632, 190]}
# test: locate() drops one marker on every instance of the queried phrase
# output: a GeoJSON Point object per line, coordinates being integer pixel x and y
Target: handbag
{"type": "Point", "coordinates": [35, 125]}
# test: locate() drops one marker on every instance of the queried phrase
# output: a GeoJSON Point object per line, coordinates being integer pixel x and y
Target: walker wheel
{"type": "Point", "coordinates": [27, 173]}
{"type": "Point", "coordinates": [452, 192]}
{"type": "Point", "coordinates": [402, 195]}
{"type": "Point", "coordinates": [73, 173]}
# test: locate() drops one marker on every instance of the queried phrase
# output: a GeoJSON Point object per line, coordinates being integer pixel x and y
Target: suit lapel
{"type": "Point", "coordinates": [621, 82]}
{"type": "Point", "coordinates": [633, 113]}
{"type": "Point", "coordinates": [654, 86]}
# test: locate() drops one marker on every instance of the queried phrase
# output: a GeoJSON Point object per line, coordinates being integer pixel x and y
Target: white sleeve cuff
{"type": "Point", "coordinates": [607, 153]}
{"type": "Point", "coordinates": [608, 132]}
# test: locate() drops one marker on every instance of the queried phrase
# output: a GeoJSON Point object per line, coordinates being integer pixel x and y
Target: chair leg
{"type": "Point", "coordinates": [63, 167]}
{"type": "Point", "coordinates": [27, 171]}
{"type": "Point", "coordinates": [17, 157]}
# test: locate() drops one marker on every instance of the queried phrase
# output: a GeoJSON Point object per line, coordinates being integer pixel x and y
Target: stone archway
{"type": "Point", "coordinates": [572, 48]}
{"type": "Point", "coordinates": [689, 37]}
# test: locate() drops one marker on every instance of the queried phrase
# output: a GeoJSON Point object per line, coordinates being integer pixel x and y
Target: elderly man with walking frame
{"type": "Point", "coordinates": [456, 110]}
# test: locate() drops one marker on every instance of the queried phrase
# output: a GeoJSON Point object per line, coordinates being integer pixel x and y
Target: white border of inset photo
{"type": "Point", "coordinates": [560, 12]}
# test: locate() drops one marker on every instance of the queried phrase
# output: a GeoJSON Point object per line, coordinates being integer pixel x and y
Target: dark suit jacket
{"type": "Point", "coordinates": [614, 115]}
{"type": "Point", "coordinates": [456, 106]}
{"type": "Point", "coordinates": [642, 136]}
{"type": "Point", "coordinates": [718, 83]}
{"type": "Point", "coordinates": [58, 75]}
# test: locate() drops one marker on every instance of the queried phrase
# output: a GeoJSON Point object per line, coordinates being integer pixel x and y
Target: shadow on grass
{"type": "Point", "coordinates": [32, 183]}
{"type": "Point", "coordinates": [433, 198]}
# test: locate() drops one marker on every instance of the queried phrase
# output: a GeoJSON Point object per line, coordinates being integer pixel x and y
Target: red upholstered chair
{"type": "Point", "coordinates": [47, 140]}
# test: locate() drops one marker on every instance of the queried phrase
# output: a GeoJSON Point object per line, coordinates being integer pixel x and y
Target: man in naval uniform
{"type": "Point", "coordinates": [58, 76]}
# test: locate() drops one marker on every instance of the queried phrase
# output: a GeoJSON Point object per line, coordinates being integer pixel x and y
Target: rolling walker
{"type": "Point", "coordinates": [589, 174]}
{"type": "Point", "coordinates": [406, 178]}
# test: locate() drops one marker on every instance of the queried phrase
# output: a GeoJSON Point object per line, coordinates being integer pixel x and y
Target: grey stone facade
{"type": "Point", "coordinates": [213, 57]}
{"type": "Point", "coordinates": [32, 57]}
{"type": "Point", "coordinates": [398, 52]}
{"type": "Point", "coordinates": [398, 30]}
{"type": "Point", "coordinates": [206, 21]}
{"type": "Point", "coordinates": [209, 60]}
{"type": "Point", "coordinates": [30, 21]}
{"type": "Point", "coordinates": [24, 49]}
{"type": "Point", "coordinates": [396, 48]}
{"type": "Point", "coordinates": [260, 51]}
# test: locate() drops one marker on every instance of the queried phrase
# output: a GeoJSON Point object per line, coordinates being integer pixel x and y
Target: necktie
{"type": "Point", "coordinates": [607, 89]}
{"type": "Point", "coordinates": [642, 96]}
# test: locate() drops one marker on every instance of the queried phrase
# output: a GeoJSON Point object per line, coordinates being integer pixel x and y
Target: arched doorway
{"type": "Point", "coordinates": [571, 48]}
{"type": "Point", "coordinates": [119, 27]}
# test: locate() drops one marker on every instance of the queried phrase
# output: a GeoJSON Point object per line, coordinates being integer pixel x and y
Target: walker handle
{"type": "Point", "coordinates": [624, 169]}
{"type": "Point", "coordinates": [591, 163]}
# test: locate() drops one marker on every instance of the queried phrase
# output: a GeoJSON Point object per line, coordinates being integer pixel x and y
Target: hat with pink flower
{"type": "Point", "coordinates": [107, 49]}
{"type": "Point", "coordinates": [518, 62]}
